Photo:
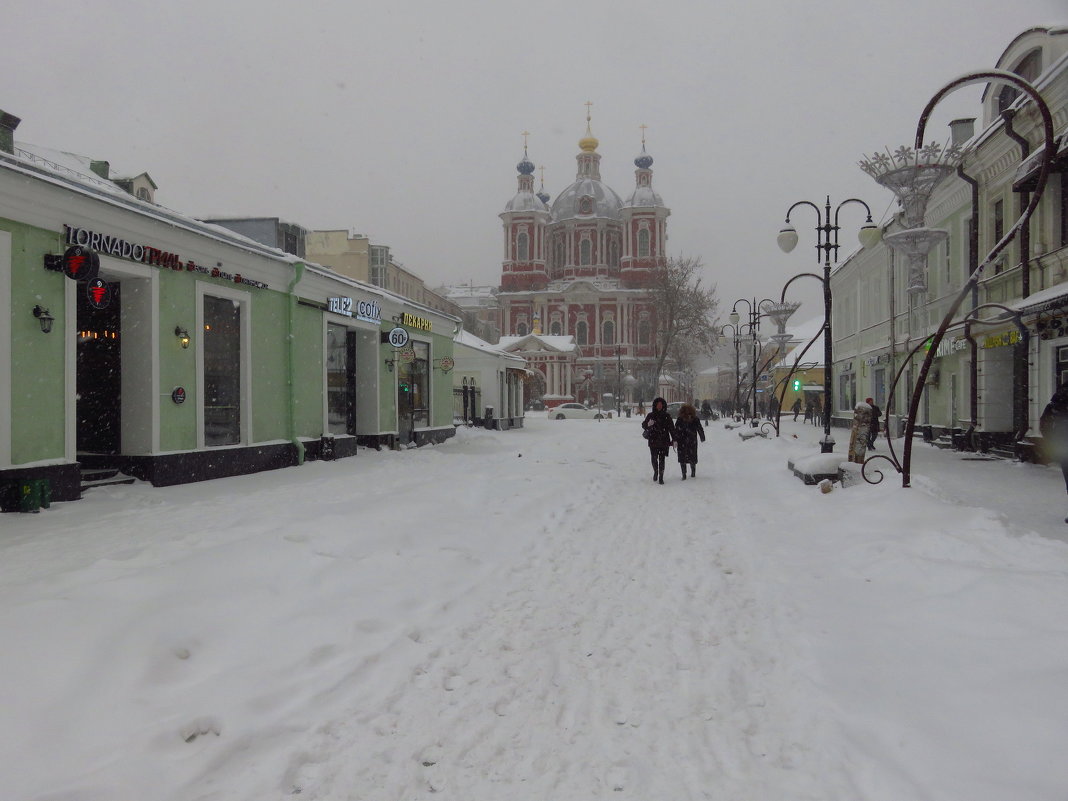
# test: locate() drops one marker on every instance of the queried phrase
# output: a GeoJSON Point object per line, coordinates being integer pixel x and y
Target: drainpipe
{"type": "Point", "coordinates": [973, 263]}
{"type": "Point", "coordinates": [1025, 198]}
{"type": "Point", "coordinates": [1021, 376]}
{"type": "Point", "coordinates": [291, 362]}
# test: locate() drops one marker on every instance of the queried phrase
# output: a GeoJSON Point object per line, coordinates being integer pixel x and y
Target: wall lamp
{"type": "Point", "coordinates": [44, 317]}
{"type": "Point", "coordinates": [183, 336]}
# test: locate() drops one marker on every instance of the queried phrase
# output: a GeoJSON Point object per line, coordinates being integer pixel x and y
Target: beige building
{"type": "Point", "coordinates": [353, 256]}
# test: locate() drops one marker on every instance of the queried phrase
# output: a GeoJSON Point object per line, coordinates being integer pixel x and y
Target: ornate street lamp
{"type": "Point", "coordinates": [779, 313]}
{"type": "Point", "coordinates": [912, 174]}
{"type": "Point", "coordinates": [827, 243]}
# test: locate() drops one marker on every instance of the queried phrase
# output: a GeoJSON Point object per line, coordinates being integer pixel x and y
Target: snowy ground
{"type": "Point", "coordinates": [525, 615]}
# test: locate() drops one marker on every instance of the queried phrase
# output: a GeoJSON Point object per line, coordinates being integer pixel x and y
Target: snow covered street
{"type": "Point", "coordinates": [526, 615]}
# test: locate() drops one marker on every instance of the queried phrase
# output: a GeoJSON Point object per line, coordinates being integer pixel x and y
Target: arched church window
{"type": "Point", "coordinates": [586, 252]}
{"type": "Point", "coordinates": [608, 333]}
{"type": "Point", "coordinates": [644, 332]}
{"type": "Point", "coordinates": [643, 242]}
{"type": "Point", "coordinates": [581, 333]}
{"type": "Point", "coordinates": [521, 329]}
{"type": "Point", "coordinates": [522, 247]}
{"type": "Point", "coordinates": [555, 328]}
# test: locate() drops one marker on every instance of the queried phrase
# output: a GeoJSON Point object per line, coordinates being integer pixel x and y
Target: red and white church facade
{"type": "Point", "coordinates": [578, 271]}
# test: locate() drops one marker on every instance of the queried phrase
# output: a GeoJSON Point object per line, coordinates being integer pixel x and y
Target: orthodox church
{"type": "Point", "coordinates": [574, 292]}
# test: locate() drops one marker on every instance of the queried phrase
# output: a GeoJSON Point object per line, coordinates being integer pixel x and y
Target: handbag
{"type": "Point", "coordinates": [646, 433]}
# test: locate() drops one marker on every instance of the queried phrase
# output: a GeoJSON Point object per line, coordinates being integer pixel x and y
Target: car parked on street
{"type": "Point", "coordinates": [576, 411]}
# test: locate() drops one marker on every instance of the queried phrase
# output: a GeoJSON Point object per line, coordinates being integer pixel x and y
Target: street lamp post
{"type": "Point", "coordinates": [737, 377]}
{"type": "Point", "coordinates": [827, 243]}
{"type": "Point", "coordinates": [619, 378]}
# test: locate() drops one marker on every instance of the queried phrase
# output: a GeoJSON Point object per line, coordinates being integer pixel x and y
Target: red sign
{"type": "Point", "coordinates": [98, 291]}
{"type": "Point", "coordinates": [80, 263]}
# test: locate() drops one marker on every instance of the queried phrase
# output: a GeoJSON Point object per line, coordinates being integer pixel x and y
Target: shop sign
{"type": "Point", "coordinates": [146, 254]}
{"type": "Point", "coordinates": [882, 358]}
{"type": "Point", "coordinates": [80, 263]}
{"type": "Point", "coordinates": [178, 395]}
{"type": "Point", "coordinates": [370, 311]}
{"type": "Point", "coordinates": [1002, 339]}
{"type": "Point", "coordinates": [413, 321]}
{"type": "Point", "coordinates": [98, 293]}
{"type": "Point", "coordinates": [948, 346]}
{"type": "Point", "coordinates": [398, 337]}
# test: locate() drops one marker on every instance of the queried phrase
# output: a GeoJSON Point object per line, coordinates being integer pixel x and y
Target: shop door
{"type": "Point", "coordinates": [99, 374]}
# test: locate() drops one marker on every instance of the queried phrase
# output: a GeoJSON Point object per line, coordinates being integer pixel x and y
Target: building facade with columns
{"type": "Point", "coordinates": [580, 267]}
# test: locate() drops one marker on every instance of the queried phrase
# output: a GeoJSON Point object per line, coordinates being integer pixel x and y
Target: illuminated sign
{"type": "Point", "coordinates": [1001, 340]}
{"type": "Point", "coordinates": [369, 311]}
{"type": "Point", "coordinates": [80, 263]}
{"type": "Point", "coordinates": [145, 254]}
{"type": "Point", "coordinates": [98, 293]}
{"type": "Point", "coordinates": [412, 321]}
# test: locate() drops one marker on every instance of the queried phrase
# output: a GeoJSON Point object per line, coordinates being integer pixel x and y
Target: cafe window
{"type": "Point", "coordinates": [222, 371]}
{"type": "Point", "coordinates": [340, 379]}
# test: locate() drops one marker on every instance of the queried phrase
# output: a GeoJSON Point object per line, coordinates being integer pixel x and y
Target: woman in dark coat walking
{"type": "Point", "coordinates": [659, 431]}
{"type": "Point", "coordinates": [687, 429]}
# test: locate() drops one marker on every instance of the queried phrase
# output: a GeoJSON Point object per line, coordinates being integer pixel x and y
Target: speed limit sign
{"type": "Point", "coordinates": [398, 337]}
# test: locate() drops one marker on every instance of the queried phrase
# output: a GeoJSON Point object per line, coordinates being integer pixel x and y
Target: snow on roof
{"type": "Point", "coordinates": [469, 340]}
{"type": "Point", "coordinates": [563, 344]}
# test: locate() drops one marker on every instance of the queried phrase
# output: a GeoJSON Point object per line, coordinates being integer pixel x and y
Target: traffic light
{"type": "Point", "coordinates": [797, 385]}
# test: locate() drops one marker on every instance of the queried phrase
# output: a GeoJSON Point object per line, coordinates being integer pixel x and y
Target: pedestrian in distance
{"type": "Point", "coordinates": [873, 426]}
{"type": "Point", "coordinates": [687, 430]}
{"type": "Point", "coordinates": [659, 431]}
{"type": "Point", "coordinates": [809, 412]}
{"type": "Point", "coordinates": [706, 412]}
{"type": "Point", "coordinates": [1054, 427]}
{"type": "Point", "coordinates": [796, 408]}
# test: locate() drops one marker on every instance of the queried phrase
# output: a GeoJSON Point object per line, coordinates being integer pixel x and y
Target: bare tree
{"type": "Point", "coordinates": [684, 314]}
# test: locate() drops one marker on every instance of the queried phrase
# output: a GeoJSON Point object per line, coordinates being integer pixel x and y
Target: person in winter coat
{"type": "Point", "coordinates": [796, 408]}
{"type": "Point", "coordinates": [660, 434]}
{"type": "Point", "coordinates": [1054, 427]}
{"type": "Point", "coordinates": [687, 429]}
{"type": "Point", "coordinates": [873, 427]}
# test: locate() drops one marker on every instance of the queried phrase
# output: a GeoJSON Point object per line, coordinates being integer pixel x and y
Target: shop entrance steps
{"type": "Point", "coordinates": [103, 477]}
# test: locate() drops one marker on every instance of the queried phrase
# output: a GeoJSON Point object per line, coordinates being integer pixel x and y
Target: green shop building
{"type": "Point", "coordinates": [137, 339]}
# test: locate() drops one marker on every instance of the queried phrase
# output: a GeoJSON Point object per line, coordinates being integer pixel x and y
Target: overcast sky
{"type": "Point", "coordinates": [404, 120]}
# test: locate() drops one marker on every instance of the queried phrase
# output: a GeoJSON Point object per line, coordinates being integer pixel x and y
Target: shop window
{"type": "Point", "coordinates": [341, 379]}
{"type": "Point", "coordinates": [222, 371]}
{"type": "Point", "coordinates": [413, 387]}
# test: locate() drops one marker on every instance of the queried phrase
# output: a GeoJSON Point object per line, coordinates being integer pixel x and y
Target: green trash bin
{"type": "Point", "coordinates": [35, 493]}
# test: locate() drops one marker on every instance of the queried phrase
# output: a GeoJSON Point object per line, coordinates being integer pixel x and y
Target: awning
{"type": "Point", "coordinates": [1026, 177]}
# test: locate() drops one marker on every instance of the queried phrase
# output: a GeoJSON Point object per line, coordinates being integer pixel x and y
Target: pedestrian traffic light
{"type": "Point", "coordinates": [797, 385]}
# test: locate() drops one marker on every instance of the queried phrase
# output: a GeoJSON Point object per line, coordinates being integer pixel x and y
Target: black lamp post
{"type": "Point", "coordinates": [827, 243]}
{"type": "Point", "coordinates": [737, 376]}
{"type": "Point", "coordinates": [753, 329]}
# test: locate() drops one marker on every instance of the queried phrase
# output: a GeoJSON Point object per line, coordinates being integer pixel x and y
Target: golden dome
{"type": "Point", "coordinates": [588, 143]}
